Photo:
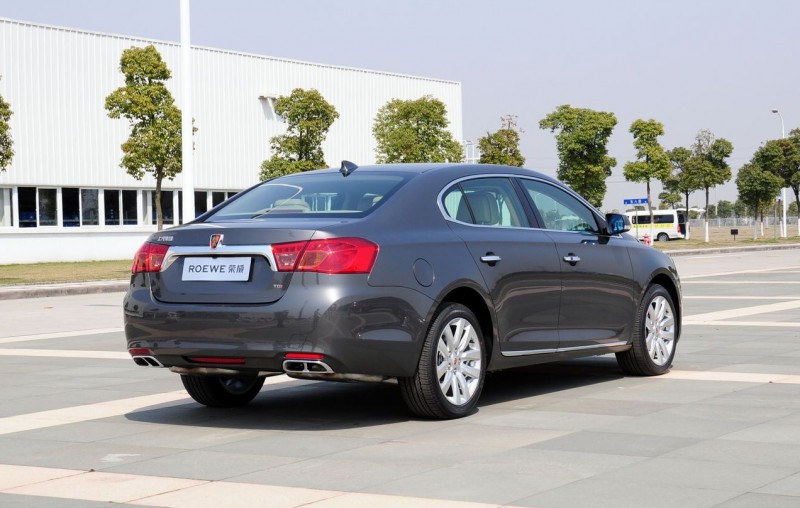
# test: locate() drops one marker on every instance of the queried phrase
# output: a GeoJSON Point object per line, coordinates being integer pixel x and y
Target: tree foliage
{"type": "Point", "coordinates": [154, 145]}
{"type": "Point", "coordinates": [757, 188]}
{"type": "Point", "coordinates": [6, 143]}
{"type": "Point", "coordinates": [708, 162]}
{"type": "Point", "coordinates": [415, 131]}
{"type": "Point", "coordinates": [582, 138]}
{"type": "Point", "coordinates": [782, 157]}
{"type": "Point", "coordinates": [308, 117]}
{"type": "Point", "coordinates": [651, 160]}
{"type": "Point", "coordinates": [502, 146]}
{"type": "Point", "coordinates": [680, 180]}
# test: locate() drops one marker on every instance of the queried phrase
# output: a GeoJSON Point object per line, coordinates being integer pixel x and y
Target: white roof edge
{"type": "Point", "coordinates": [217, 50]}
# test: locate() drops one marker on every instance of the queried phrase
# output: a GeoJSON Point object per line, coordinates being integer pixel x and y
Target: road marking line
{"type": "Point", "coordinates": [761, 282]}
{"type": "Point", "coordinates": [143, 490]}
{"type": "Point", "coordinates": [66, 353]}
{"type": "Point", "coordinates": [718, 274]}
{"type": "Point", "coordinates": [748, 298]}
{"type": "Point", "coordinates": [770, 324]}
{"type": "Point", "coordinates": [87, 412]}
{"type": "Point", "coordinates": [744, 377]}
{"type": "Point", "coordinates": [745, 311]}
{"type": "Point", "coordinates": [59, 335]}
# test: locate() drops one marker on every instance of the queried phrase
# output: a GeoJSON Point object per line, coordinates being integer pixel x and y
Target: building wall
{"type": "Point", "coordinates": [57, 79]}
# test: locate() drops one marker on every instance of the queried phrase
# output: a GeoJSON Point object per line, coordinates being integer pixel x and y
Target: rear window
{"type": "Point", "coordinates": [312, 194]}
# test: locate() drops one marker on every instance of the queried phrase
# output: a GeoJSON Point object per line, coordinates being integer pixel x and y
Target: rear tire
{"type": "Point", "coordinates": [662, 237]}
{"type": "Point", "coordinates": [216, 391]}
{"type": "Point", "coordinates": [452, 367]}
{"type": "Point", "coordinates": [655, 335]}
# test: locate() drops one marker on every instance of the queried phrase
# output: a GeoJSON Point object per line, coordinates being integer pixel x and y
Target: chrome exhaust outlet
{"type": "Point", "coordinates": [306, 366]}
{"type": "Point", "coordinates": [147, 361]}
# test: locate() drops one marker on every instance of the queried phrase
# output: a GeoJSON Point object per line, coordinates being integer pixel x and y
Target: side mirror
{"type": "Point", "coordinates": [617, 223]}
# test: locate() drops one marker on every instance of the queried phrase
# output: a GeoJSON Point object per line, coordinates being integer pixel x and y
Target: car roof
{"type": "Point", "coordinates": [456, 169]}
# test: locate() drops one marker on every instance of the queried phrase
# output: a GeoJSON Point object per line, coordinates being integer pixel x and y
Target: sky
{"type": "Point", "coordinates": [721, 65]}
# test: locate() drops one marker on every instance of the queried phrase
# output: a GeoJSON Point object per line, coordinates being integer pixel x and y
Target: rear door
{"type": "Point", "coordinates": [597, 300]}
{"type": "Point", "coordinates": [518, 263]}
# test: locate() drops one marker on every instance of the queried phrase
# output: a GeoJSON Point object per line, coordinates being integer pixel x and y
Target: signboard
{"type": "Point", "coordinates": [639, 201]}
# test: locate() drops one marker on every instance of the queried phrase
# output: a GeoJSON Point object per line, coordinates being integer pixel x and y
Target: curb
{"type": "Point", "coordinates": [723, 250]}
{"type": "Point", "coordinates": [67, 289]}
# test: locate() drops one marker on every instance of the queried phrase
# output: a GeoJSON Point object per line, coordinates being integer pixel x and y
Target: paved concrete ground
{"type": "Point", "coordinates": [81, 425]}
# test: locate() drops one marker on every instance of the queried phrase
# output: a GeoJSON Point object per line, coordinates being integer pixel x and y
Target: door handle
{"type": "Point", "coordinates": [572, 259]}
{"type": "Point", "coordinates": [490, 258]}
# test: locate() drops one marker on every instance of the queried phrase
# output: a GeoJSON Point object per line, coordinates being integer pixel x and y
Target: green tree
{"type": "Point", "coordinates": [669, 199]}
{"type": "Point", "coordinates": [757, 189]}
{"type": "Point", "coordinates": [782, 157]}
{"type": "Point", "coordinates": [502, 147]}
{"type": "Point", "coordinates": [708, 164]}
{"type": "Point", "coordinates": [581, 142]}
{"type": "Point", "coordinates": [740, 208]}
{"type": "Point", "coordinates": [651, 160]}
{"type": "Point", "coordinates": [680, 180]}
{"type": "Point", "coordinates": [308, 117]}
{"type": "Point", "coordinates": [6, 143]}
{"type": "Point", "coordinates": [415, 131]}
{"type": "Point", "coordinates": [154, 145]}
{"type": "Point", "coordinates": [725, 209]}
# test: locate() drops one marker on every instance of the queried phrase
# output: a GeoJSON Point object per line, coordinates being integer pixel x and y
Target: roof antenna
{"type": "Point", "coordinates": [347, 168]}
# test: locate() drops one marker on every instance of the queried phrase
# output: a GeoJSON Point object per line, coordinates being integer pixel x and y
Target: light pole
{"type": "Point", "coordinates": [783, 189]}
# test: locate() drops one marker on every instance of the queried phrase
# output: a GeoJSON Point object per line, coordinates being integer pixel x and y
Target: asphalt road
{"type": "Point", "coordinates": [81, 425]}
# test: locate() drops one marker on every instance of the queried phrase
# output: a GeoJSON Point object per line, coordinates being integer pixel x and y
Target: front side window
{"type": "Point", "coordinates": [485, 202]}
{"type": "Point", "coordinates": [560, 210]}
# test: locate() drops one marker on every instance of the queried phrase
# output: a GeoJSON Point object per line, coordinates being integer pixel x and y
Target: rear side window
{"type": "Point", "coordinates": [311, 194]}
{"type": "Point", "coordinates": [485, 202]}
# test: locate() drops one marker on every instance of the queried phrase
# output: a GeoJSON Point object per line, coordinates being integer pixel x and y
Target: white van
{"type": "Point", "coordinates": [667, 224]}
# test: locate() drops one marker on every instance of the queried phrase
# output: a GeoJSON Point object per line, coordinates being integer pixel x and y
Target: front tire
{"type": "Point", "coordinates": [217, 391]}
{"type": "Point", "coordinates": [452, 367]}
{"type": "Point", "coordinates": [655, 335]}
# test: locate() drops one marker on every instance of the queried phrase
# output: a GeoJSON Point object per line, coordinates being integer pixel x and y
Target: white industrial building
{"type": "Point", "coordinates": [66, 198]}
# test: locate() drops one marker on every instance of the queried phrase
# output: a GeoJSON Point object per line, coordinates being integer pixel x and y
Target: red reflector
{"type": "Point", "coordinates": [149, 257]}
{"type": "Point", "coordinates": [304, 356]}
{"type": "Point", "coordinates": [331, 255]}
{"type": "Point", "coordinates": [217, 359]}
{"type": "Point", "coordinates": [140, 352]}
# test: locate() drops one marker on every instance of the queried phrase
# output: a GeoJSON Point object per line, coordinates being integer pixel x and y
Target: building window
{"type": "Point", "coordinates": [48, 206]}
{"type": "Point", "coordinates": [111, 207]}
{"type": "Point", "coordinates": [27, 207]}
{"type": "Point", "coordinates": [5, 207]}
{"type": "Point", "coordinates": [70, 207]}
{"type": "Point", "coordinates": [90, 211]}
{"type": "Point", "coordinates": [166, 207]}
{"type": "Point", "coordinates": [217, 198]}
{"type": "Point", "coordinates": [200, 203]}
{"type": "Point", "coordinates": [130, 211]}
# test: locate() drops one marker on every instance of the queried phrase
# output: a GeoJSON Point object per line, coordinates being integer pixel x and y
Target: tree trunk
{"type": "Point", "coordinates": [159, 216]}
{"type": "Point", "coordinates": [706, 216]}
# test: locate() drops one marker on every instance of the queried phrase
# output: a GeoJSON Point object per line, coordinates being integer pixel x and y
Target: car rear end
{"type": "Point", "coordinates": [273, 285]}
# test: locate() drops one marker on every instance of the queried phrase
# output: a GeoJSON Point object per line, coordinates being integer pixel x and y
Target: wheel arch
{"type": "Point", "coordinates": [668, 283]}
{"type": "Point", "coordinates": [479, 304]}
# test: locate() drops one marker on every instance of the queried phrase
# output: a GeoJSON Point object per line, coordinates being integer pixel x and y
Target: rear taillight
{"type": "Point", "coordinates": [149, 257]}
{"type": "Point", "coordinates": [331, 255]}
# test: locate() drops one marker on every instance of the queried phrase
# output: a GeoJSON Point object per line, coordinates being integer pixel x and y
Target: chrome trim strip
{"type": "Point", "coordinates": [176, 251]}
{"type": "Point", "coordinates": [564, 350]}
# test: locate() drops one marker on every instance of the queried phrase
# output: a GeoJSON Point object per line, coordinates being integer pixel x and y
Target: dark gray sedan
{"type": "Point", "coordinates": [433, 274]}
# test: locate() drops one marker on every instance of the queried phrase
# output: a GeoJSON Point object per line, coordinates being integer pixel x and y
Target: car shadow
{"type": "Point", "coordinates": [325, 406]}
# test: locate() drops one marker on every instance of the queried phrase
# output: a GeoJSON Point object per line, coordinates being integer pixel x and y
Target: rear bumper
{"type": "Point", "coordinates": [371, 331]}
